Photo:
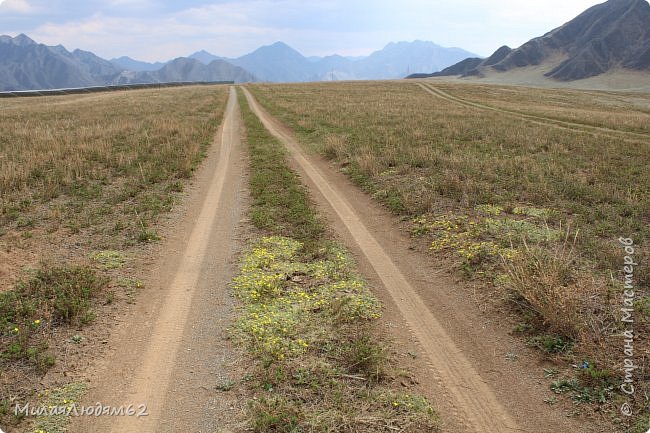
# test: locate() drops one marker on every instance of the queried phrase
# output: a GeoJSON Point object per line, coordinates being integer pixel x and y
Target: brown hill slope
{"type": "Point", "coordinates": [608, 37]}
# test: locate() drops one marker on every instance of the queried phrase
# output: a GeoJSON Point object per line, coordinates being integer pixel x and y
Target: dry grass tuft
{"type": "Point", "coordinates": [551, 283]}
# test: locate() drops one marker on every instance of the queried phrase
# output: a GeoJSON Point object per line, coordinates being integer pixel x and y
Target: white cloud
{"type": "Point", "coordinates": [19, 6]}
{"type": "Point", "coordinates": [157, 30]}
{"type": "Point", "coordinates": [131, 5]}
{"type": "Point", "coordinates": [148, 39]}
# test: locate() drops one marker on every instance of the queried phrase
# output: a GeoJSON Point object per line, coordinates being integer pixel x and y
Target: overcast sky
{"type": "Point", "coordinates": [161, 30]}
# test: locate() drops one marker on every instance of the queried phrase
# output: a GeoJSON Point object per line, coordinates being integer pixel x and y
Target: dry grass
{"type": "Point", "coordinates": [547, 283]}
{"type": "Point", "coordinates": [425, 154]}
{"type": "Point", "coordinates": [481, 185]}
{"type": "Point", "coordinates": [54, 145]}
{"type": "Point", "coordinates": [84, 180]}
{"type": "Point", "coordinates": [97, 168]}
{"type": "Point", "coordinates": [617, 110]}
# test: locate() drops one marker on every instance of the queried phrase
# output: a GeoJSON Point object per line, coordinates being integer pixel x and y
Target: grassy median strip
{"type": "Point", "coordinates": [307, 317]}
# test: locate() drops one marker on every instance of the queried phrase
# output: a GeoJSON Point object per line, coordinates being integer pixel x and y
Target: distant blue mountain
{"type": "Point", "coordinates": [280, 62]}
{"type": "Point", "coordinates": [397, 60]}
{"type": "Point", "coordinates": [186, 69]}
{"type": "Point", "coordinates": [205, 57]}
{"type": "Point", "coordinates": [129, 64]}
{"type": "Point", "coordinates": [25, 64]}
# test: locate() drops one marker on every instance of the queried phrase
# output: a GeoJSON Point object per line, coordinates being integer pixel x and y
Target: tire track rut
{"type": "Point", "coordinates": [539, 120]}
{"type": "Point", "coordinates": [472, 397]}
{"type": "Point", "coordinates": [168, 329]}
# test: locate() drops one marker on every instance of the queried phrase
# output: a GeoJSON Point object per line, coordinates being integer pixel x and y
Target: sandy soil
{"type": "Point", "coordinates": [467, 364]}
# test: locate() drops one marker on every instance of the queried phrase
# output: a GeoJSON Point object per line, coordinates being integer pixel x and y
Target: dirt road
{"type": "Point", "coordinates": [478, 389]}
{"type": "Point", "coordinates": [540, 120]}
{"type": "Point", "coordinates": [171, 354]}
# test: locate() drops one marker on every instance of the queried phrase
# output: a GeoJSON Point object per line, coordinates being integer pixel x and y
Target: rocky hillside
{"type": "Point", "coordinates": [610, 36]}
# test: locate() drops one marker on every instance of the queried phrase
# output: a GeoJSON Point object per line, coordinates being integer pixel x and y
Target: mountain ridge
{"type": "Point", "coordinates": [27, 65]}
{"type": "Point", "coordinates": [186, 69]}
{"type": "Point", "coordinates": [129, 64]}
{"type": "Point", "coordinates": [394, 60]}
{"type": "Point", "coordinates": [605, 37]}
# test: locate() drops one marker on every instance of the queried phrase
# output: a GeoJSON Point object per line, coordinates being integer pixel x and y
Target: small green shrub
{"type": "Point", "coordinates": [65, 396]}
{"type": "Point", "coordinates": [61, 293]}
{"type": "Point", "coordinates": [364, 356]}
{"type": "Point", "coordinates": [148, 235]}
{"type": "Point", "coordinates": [53, 296]}
{"type": "Point", "coordinates": [551, 343]}
{"type": "Point", "coordinates": [563, 386]}
{"type": "Point", "coordinates": [109, 259]}
{"type": "Point", "coordinates": [275, 415]}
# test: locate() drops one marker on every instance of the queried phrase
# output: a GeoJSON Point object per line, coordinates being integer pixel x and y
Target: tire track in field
{"type": "Point", "coordinates": [154, 374]}
{"type": "Point", "coordinates": [474, 400]}
{"type": "Point", "coordinates": [539, 120]}
{"type": "Point", "coordinates": [194, 268]}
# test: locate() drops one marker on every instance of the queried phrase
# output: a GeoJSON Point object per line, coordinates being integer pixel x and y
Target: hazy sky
{"type": "Point", "coordinates": [161, 30]}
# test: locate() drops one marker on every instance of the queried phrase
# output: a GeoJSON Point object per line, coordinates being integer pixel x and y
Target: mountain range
{"type": "Point", "coordinates": [26, 64]}
{"type": "Point", "coordinates": [607, 39]}
{"type": "Point", "coordinates": [610, 37]}
{"type": "Point", "coordinates": [279, 62]}
{"type": "Point", "coordinates": [186, 69]}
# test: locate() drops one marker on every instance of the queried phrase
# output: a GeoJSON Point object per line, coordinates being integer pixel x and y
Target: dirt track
{"type": "Point", "coordinates": [540, 120]}
{"type": "Point", "coordinates": [172, 352]}
{"type": "Point", "coordinates": [462, 357]}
